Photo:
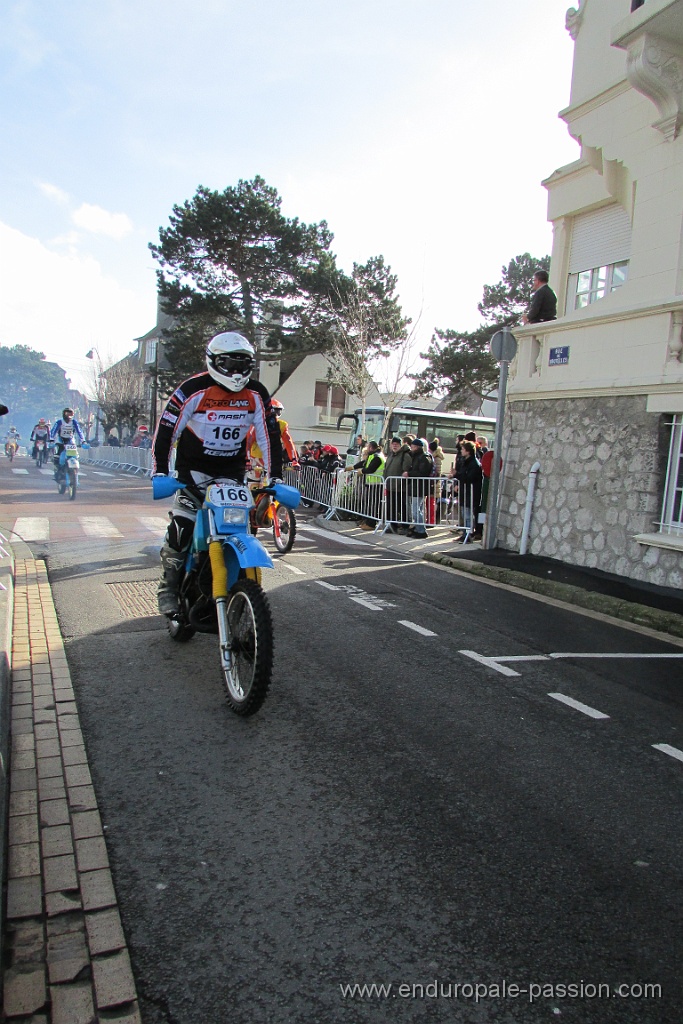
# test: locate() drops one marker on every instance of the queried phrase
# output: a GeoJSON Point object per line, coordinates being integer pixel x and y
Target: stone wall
{"type": "Point", "coordinates": [603, 464]}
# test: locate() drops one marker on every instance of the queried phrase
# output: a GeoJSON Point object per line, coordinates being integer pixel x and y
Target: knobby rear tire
{"type": "Point", "coordinates": [251, 644]}
{"type": "Point", "coordinates": [284, 532]}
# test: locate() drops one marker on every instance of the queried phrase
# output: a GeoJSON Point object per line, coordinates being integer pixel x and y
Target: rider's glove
{"type": "Point", "coordinates": [274, 480]}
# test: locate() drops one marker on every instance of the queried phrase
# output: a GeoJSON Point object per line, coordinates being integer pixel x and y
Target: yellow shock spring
{"type": "Point", "coordinates": [219, 572]}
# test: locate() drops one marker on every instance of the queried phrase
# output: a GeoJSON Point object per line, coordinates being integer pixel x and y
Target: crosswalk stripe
{"type": "Point", "coordinates": [154, 523]}
{"type": "Point", "coordinates": [31, 528]}
{"type": "Point", "coordinates": [100, 472]}
{"type": "Point", "coordinates": [98, 526]}
{"type": "Point", "coordinates": [20, 471]}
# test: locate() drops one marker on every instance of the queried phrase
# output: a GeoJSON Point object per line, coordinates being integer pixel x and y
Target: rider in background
{"type": "Point", "coordinates": [63, 433]}
{"type": "Point", "coordinates": [12, 435]}
{"type": "Point", "coordinates": [41, 432]}
{"type": "Point", "coordinates": [289, 453]}
{"type": "Point", "coordinates": [209, 417]}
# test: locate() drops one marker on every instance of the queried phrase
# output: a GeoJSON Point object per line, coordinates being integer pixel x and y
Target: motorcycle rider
{"type": "Point", "coordinates": [209, 416]}
{"type": "Point", "coordinates": [289, 453]}
{"type": "Point", "coordinates": [63, 433]}
{"type": "Point", "coordinates": [41, 432]}
{"type": "Point", "coordinates": [12, 435]}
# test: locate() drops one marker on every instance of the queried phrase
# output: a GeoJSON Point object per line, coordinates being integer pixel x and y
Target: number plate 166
{"type": "Point", "coordinates": [222, 495]}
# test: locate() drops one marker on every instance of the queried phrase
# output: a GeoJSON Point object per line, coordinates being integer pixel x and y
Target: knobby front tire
{"type": "Point", "coordinates": [284, 529]}
{"type": "Point", "coordinates": [73, 484]}
{"type": "Point", "coordinates": [251, 646]}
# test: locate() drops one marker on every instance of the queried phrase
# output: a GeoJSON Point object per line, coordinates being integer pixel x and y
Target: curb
{"type": "Point", "coordinates": [65, 954]}
{"type": "Point", "coordinates": [640, 614]}
{"type": "Point", "coordinates": [6, 620]}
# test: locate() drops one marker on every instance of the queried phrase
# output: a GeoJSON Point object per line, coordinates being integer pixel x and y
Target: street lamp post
{"type": "Point", "coordinates": [91, 355]}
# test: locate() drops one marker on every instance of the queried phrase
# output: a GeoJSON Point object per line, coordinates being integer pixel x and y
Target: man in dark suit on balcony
{"type": "Point", "coordinates": [543, 305]}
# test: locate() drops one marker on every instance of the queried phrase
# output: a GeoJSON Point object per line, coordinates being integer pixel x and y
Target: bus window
{"type": "Point", "coordinates": [446, 433]}
{"type": "Point", "coordinates": [402, 424]}
{"type": "Point", "coordinates": [374, 421]}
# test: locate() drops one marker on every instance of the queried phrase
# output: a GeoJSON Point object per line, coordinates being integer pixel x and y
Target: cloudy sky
{"type": "Point", "coordinates": [419, 131]}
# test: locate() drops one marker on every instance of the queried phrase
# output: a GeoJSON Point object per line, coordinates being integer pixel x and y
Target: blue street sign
{"type": "Point", "coordinates": [558, 356]}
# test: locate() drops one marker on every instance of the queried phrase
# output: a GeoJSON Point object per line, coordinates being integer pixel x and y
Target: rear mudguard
{"type": "Point", "coordinates": [242, 551]}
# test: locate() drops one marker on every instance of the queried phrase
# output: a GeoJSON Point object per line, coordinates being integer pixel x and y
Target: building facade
{"type": "Point", "coordinates": [597, 395]}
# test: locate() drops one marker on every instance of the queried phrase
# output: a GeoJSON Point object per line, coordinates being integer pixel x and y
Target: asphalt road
{"type": "Point", "coordinates": [399, 813]}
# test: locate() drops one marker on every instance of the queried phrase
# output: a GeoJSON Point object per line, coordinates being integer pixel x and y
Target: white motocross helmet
{"type": "Point", "coordinates": [230, 359]}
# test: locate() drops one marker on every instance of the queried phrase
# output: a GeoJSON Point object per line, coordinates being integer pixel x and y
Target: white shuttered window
{"type": "Point", "coordinates": [600, 251]}
{"type": "Point", "coordinates": [600, 238]}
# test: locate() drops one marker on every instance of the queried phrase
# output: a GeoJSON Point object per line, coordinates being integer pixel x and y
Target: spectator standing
{"type": "Point", "coordinates": [486, 468]}
{"type": "Point", "coordinates": [421, 465]}
{"type": "Point", "coordinates": [370, 471]}
{"type": "Point", "coordinates": [543, 305]}
{"type": "Point", "coordinates": [437, 454]}
{"type": "Point", "coordinates": [328, 464]}
{"type": "Point", "coordinates": [470, 480]}
{"type": "Point", "coordinates": [396, 466]}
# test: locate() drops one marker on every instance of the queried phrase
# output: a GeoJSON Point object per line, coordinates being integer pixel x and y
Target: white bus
{"type": "Point", "coordinates": [422, 422]}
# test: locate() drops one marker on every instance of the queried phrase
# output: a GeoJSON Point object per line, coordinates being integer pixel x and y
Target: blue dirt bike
{"type": "Point", "coordinates": [221, 590]}
{"type": "Point", "coordinates": [67, 469]}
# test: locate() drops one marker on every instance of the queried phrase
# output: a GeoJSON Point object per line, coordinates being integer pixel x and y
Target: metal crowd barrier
{"type": "Point", "coordinates": [137, 460]}
{"type": "Point", "coordinates": [396, 502]}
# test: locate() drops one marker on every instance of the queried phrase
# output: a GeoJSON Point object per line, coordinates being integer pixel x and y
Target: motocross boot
{"type": "Point", "coordinates": [168, 594]}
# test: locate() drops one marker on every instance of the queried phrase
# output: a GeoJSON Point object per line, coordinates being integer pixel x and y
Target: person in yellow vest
{"type": "Point", "coordinates": [370, 470]}
{"type": "Point", "coordinates": [289, 452]}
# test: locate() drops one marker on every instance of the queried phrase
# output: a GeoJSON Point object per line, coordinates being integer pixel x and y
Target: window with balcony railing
{"type": "Point", "coordinates": [672, 507]}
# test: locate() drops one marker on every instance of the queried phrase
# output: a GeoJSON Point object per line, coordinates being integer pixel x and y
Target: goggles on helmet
{"type": "Point", "coordinates": [232, 362]}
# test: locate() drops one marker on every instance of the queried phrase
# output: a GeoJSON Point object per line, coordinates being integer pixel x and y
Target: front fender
{"type": "Point", "coordinates": [242, 551]}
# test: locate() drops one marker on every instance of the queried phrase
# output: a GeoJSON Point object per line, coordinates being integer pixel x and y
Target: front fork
{"type": "Point", "coordinates": [219, 574]}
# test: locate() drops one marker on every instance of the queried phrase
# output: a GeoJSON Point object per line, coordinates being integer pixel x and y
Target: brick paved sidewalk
{"type": "Point", "coordinates": [66, 960]}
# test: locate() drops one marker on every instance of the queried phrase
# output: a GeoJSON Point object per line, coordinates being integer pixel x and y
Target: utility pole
{"type": "Point", "coordinates": [155, 389]}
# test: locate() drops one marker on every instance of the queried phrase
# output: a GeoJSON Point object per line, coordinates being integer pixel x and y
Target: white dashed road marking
{"type": "Point", "coordinates": [570, 702]}
{"type": "Point", "coordinates": [154, 523]}
{"type": "Point", "coordinates": [418, 629]}
{"type": "Point", "coordinates": [368, 603]}
{"type": "Point", "coordinates": [98, 526]}
{"type": "Point", "coordinates": [20, 472]}
{"type": "Point", "coordinates": [99, 472]}
{"type": "Point", "coordinates": [293, 568]}
{"type": "Point", "coordinates": [30, 528]}
{"type": "Point", "coordinates": [338, 537]}
{"type": "Point", "coordinates": [327, 586]}
{"type": "Point", "coordinates": [671, 751]}
{"type": "Point", "coordinates": [490, 663]}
